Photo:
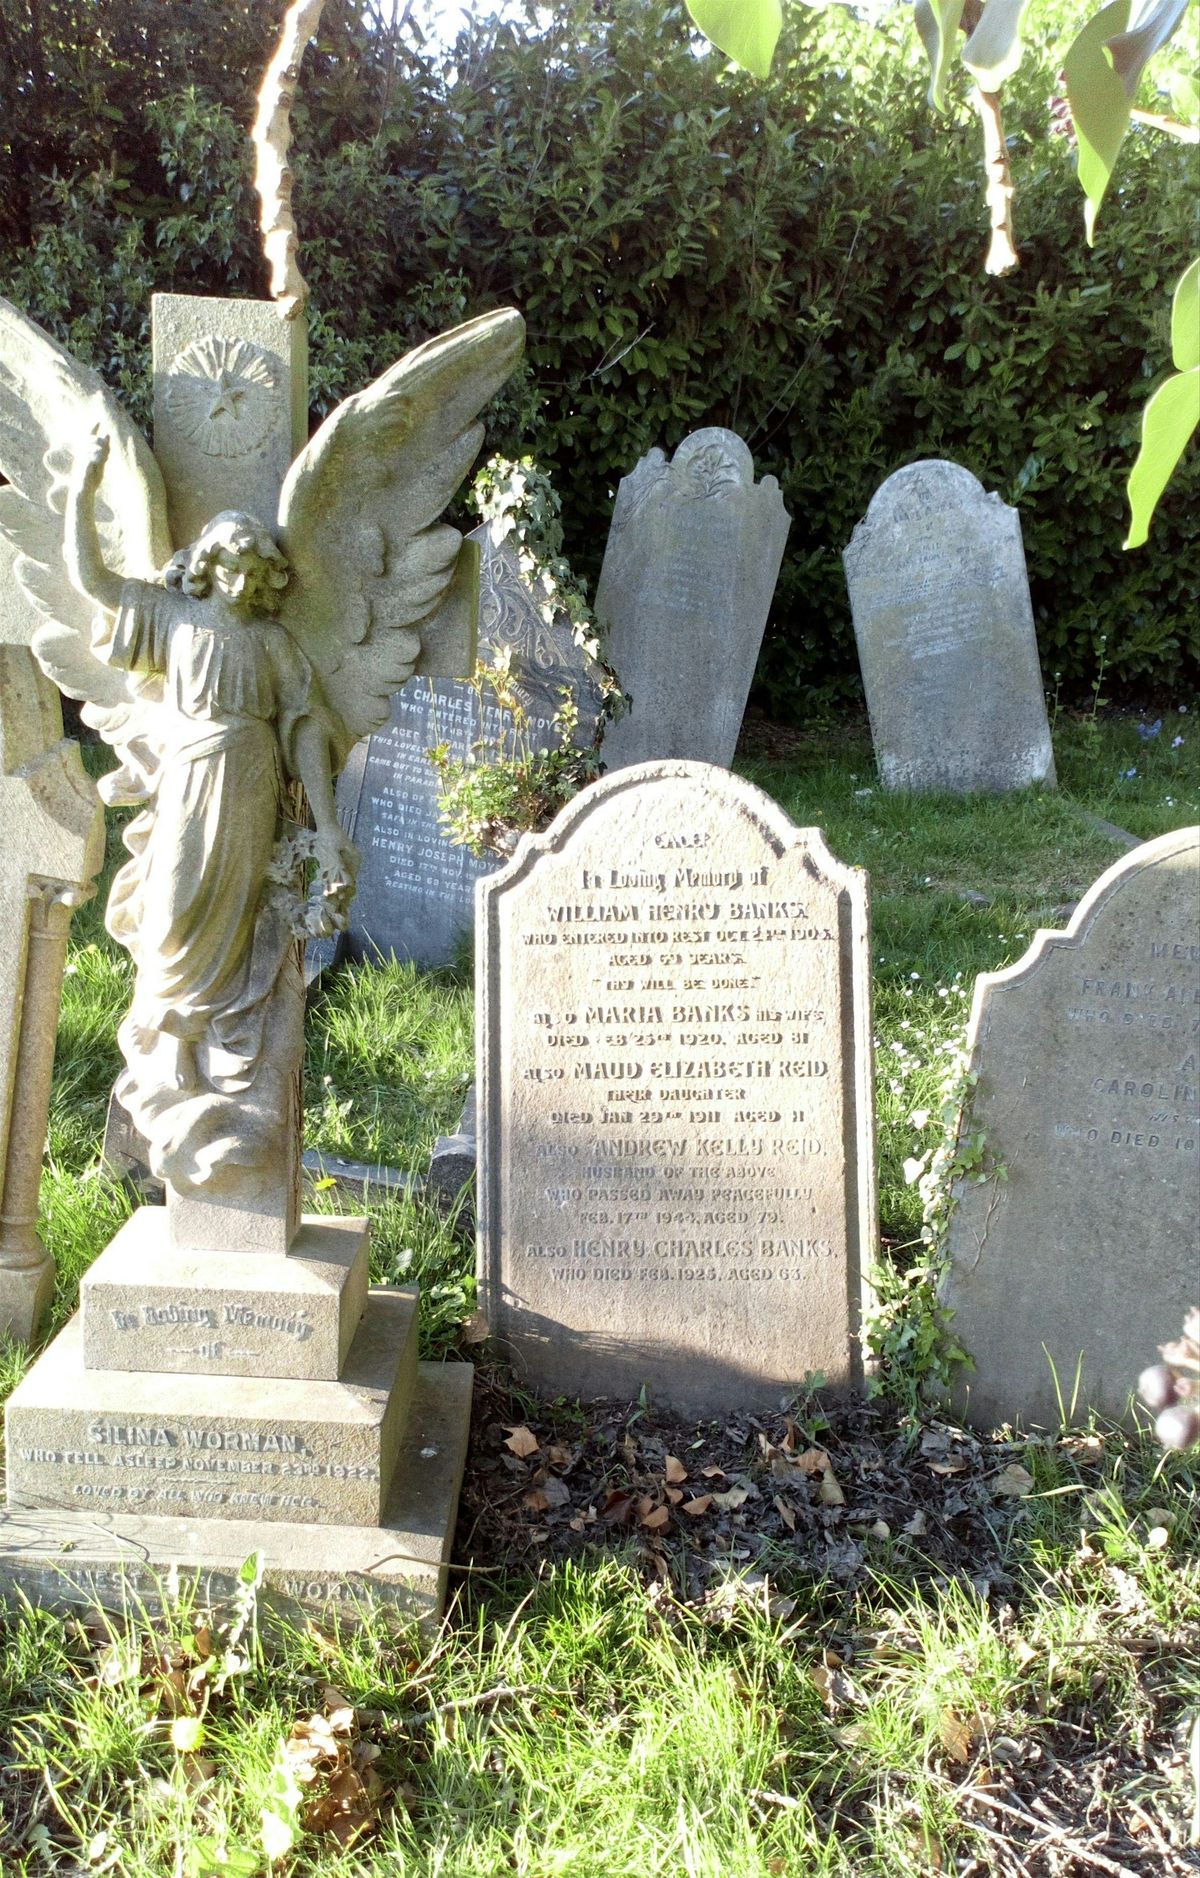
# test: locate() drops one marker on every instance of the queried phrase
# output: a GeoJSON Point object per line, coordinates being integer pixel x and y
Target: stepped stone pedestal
{"type": "Point", "coordinates": [201, 1406]}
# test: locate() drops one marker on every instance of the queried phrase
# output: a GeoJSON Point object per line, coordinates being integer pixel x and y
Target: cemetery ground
{"type": "Point", "coordinates": [831, 1639]}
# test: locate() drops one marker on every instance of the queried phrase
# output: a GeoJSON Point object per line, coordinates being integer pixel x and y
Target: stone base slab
{"type": "Point", "coordinates": [25, 1298]}
{"type": "Point", "coordinates": [117, 1560]}
{"type": "Point", "coordinates": [234, 1448]}
{"type": "Point", "coordinates": [146, 1306]}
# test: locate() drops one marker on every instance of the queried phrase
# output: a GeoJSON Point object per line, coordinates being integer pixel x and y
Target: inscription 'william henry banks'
{"type": "Point", "coordinates": [675, 1161]}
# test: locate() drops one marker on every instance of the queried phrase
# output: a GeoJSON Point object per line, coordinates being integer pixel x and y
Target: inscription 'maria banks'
{"type": "Point", "coordinates": [676, 1169]}
{"type": "Point", "coordinates": [1087, 1252]}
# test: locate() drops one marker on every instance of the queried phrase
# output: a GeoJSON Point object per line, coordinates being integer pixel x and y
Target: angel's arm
{"type": "Point", "coordinates": [86, 566]}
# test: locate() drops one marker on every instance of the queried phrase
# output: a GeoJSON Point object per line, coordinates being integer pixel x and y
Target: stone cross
{"type": "Point", "coordinates": [53, 846]}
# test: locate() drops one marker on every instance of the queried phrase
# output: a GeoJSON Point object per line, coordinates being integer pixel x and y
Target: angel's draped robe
{"type": "Point", "coordinates": [190, 906]}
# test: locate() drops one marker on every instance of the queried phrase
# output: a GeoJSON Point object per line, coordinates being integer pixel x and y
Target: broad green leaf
{"type": "Point", "coordinates": [937, 23]}
{"type": "Point", "coordinates": [744, 30]}
{"type": "Point", "coordinates": [1185, 320]}
{"type": "Point", "coordinates": [993, 52]}
{"type": "Point", "coordinates": [1098, 103]}
{"type": "Point", "coordinates": [1131, 51]}
{"type": "Point", "coordinates": [1169, 419]}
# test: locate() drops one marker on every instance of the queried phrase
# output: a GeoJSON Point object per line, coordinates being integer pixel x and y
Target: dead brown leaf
{"type": "Point", "coordinates": [1012, 1482]}
{"type": "Point", "coordinates": [521, 1441]}
{"type": "Point", "coordinates": [785, 1513]}
{"type": "Point", "coordinates": [959, 1734]}
{"type": "Point", "coordinates": [618, 1508]}
{"type": "Point", "coordinates": [675, 1470]}
{"type": "Point", "coordinates": [814, 1461]}
{"type": "Point", "coordinates": [694, 1508]}
{"type": "Point", "coordinates": [474, 1329]}
{"type": "Point", "coordinates": [535, 1500]}
{"type": "Point", "coordinates": [658, 1518]}
{"type": "Point", "coordinates": [829, 1492]}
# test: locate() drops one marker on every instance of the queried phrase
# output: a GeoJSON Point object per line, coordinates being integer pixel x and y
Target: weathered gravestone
{"type": "Point", "coordinates": [676, 1173]}
{"type": "Point", "coordinates": [415, 894]}
{"type": "Point", "coordinates": [53, 844]}
{"type": "Point", "coordinates": [1083, 1257]}
{"type": "Point", "coordinates": [691, 563]}
{"type": "Point", "coordinates": [949, 657]}
{"type": "Point", "coordinates": [228, 1363]}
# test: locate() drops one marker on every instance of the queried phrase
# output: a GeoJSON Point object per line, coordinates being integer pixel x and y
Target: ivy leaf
{"type": "Point", "coordinates": [746, 31]}
{"type": "Point", "coordinates": [1130, 52]}
{"type": "Point", "coordinates": [937, 23]}
{"type": "Point", "coordinates": [993, 52]}
{"type": "Point", "coordinates": [1169, 419]}
{"type": "Point", "coordinates": [1098, 103]}
{"type": "Point", "coordinates": [1185, 320]}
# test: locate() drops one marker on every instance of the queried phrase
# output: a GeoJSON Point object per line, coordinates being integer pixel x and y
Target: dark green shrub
{"type": "Point", "coordinates": [800, 260]}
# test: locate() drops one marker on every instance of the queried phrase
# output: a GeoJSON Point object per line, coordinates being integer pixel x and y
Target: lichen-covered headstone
{"type": "Point", "coordinates": [676, 1182]}
{"type": "Point", "coordinates": [944, 625]}
{"type": "Point", "coordinates": [415, 895]}
{"type": "Point", "coordinates": [1080, 1253]}
{"type": "Point", "coordinates": [691, 563]}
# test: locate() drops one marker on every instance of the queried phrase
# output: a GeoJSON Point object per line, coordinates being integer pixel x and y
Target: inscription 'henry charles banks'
{"type": "Point", "coordinates": [675, 1137]}
{"type": "Point", "coordinates": [1088, 1058]}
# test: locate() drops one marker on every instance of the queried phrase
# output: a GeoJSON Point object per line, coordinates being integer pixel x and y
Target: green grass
{"type": "Point", "coordinates": [579, 1720]}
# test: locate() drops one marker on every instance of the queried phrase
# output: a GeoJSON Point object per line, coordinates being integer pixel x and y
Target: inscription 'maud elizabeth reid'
{"type": "Point", "coordinates": [676, 1113]}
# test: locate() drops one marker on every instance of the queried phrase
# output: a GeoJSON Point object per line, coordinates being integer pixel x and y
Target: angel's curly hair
{"type": "Point", "coordinates": [242, 537]}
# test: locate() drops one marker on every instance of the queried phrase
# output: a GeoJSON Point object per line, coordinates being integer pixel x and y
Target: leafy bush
{"type": "Point", "coordinates": [798, 260]}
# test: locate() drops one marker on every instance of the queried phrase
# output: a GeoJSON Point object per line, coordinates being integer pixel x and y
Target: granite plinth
{"type": "Point", "coordinates": [108, 1558]}
{"type": "Point", "coordinates": [226, 1447]}
{"type": "Point", "coordinates": [146, 1306]}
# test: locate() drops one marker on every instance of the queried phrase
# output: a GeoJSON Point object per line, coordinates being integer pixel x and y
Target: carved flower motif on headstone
{"type": "Point", "coordinates": [220, 391]}
{"type": "Point", "coordinates": [706, 472]}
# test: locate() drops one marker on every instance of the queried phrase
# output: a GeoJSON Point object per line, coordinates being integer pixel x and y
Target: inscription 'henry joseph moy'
{"type": "Point", "coordinates": [753, 1073]}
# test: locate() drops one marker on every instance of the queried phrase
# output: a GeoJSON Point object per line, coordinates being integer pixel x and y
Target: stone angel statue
{"type": "Point", "coordinates": [224, 675]}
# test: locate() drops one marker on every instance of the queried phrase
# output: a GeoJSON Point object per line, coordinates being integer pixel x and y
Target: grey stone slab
{"type": "Point", "coordinates": [146, 1306]}
{"type": "Point", "coordinates": [112, 1558]}
{"type": "Point", "coordinates": [689, 571]}
{"type": "Point", "coordinates": [241, 1448]}
{"type": "Point", "coordinates": [676, 1161]}
{"type": "Point", "coordinates": [362, 1178]}
{"type": "Point", "coordinates": [416, 890]}
{"type": "Point", "coordinates": [230, 405]}
{"type": "Point", "coordinates": [125, 1155]}
{"type": "Point", "coordinates": [452, 1163]}
{"type": "Point", "coordinates": [1085, 1256]}
{"type": "Point", "coordinates": [946, 642]}
{"type": "Point", "coordinates": [1121, 835]}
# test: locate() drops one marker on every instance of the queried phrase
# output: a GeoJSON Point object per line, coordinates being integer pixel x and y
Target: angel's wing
{"type": "Point", "coordinates": [49, 406]}
{"type": "Point", "coordinates": [359, 515]}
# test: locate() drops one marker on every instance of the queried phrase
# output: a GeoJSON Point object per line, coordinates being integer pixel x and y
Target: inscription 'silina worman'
{"type": "Point", "coordinates": [1089, 1096]}
{"type": "Point", "coordinates": [675, 1183]}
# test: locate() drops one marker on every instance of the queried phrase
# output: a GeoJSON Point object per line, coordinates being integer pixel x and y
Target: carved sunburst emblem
{"type": "Point", "coordinates": [221, 393]}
